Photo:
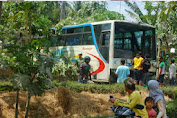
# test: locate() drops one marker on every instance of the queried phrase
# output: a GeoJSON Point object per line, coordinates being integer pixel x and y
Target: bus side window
{"type": "Point", "coordinates": [87, 39]}
{"type": "Point", "coordinates": [73, 39]}
{"type": "Point", "coordinates": [118, 43]}
{"type": "Point", "coordinates": [127, 44]}
{"type": "Point", "coordinates": [61, 42]}
{"type": "Point", "coordinates": [147, 44]}
{"type": "Point", "coordinates": [104, 48]}
{"type": "Point", "coordinates": [97, 30]}
{"type": "Point", "coordinates": [106, 38]}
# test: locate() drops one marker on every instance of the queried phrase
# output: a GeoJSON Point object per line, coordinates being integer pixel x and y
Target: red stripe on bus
{"type": "Point", "coordinates": [101, 67]}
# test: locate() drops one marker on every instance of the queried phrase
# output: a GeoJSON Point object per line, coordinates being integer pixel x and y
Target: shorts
{"type": "Point", "coordinates": [138, 75]}
{"type": "Point", "coordinates": [161, 78]}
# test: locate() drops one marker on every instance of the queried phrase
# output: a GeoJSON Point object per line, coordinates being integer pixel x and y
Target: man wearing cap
{"type": "Point", "coordinates": [134, 98]}
{"type": "Point", "coordinates": [79, 61]}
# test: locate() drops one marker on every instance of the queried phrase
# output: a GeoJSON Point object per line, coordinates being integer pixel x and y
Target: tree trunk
{"type": "Point", "coordinates": [30, 30]}
{"type": "Point", "coordinates": [27, 105]}
{"type": "Point", "coordinates": [0, 10]}
{"type": "Point", "coordinates": [17, 98]}
{"type": "Point", "coordinates": [62, 16]}
{"type": "Point", "coordinates": [26, 27]}
{"type": "Point", "coordinates": [166, 44]}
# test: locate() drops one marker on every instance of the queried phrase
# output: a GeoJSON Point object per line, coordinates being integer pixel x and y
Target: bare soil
{"type": "Point", "coordinates": [59, 103]}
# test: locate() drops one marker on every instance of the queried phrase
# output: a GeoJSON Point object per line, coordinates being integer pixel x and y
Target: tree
{"type": "Point", "coordinates": [166, 24]}
{"type": "Point", "coordinates": [22, 18]}
{"type": "Point", "coordinates": [138, 15]}
{"type": "Point", "coordinates": [51, 10]}
{"type": "Point", "coordinates": [62, 11]}
{"type": "Point", "coordinates": [31, 67]}
{"type": "Point", "coordinates": [0, 10]}
{"type": "Point", "coordinates": [88, 12]}
{"type": "Point", "coordinates": [152, 12]}
{"type": "Point", "coordinates": [77, 5]}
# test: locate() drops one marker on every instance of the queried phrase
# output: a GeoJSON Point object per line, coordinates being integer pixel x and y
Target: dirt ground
{"type": "Point", "coordinates": [59, 103]}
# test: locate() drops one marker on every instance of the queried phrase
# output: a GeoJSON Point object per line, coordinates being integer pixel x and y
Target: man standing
{"type": "Point", "coordinates": [85, 71]}
{"type": "Point", "coordinates": [146, 67]}
{"type": "Point", "coordinates": [161, 67]}
{"type": "Point", "coordinates": [79, 61]}
{"type": "Point", "coordinates": [122, 72]}
{"type": "Point", "coordinates": [172, 72]}
{"type": "Point", "coordinates": [138, 73]}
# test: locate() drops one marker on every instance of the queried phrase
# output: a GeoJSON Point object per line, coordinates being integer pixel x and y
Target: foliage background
{"type": "Point", "coordinates": [25, 25]}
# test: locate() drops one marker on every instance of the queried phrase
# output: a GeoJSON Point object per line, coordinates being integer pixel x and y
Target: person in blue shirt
{"type": "Point", "coordinates": [122, 72]}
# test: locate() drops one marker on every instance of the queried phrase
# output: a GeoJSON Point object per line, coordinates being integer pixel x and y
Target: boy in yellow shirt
{"type": "Point", "coordinates": [134, 98]}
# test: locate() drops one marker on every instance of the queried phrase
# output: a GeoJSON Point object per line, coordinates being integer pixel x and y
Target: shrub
{"type": "Point", "coordinates": [171, 91]}
{"type": "Point", "coordinates": [171, 109]}
{"type": "Point", "coordinates": [94, 88]}
{"type": "Point", "coordinates": [4, 86]}
{"type": "Point", "coordinates": [65, 69]}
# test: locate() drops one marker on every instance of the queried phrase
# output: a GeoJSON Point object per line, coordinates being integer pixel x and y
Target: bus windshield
{"type": "Point", "coordinates": [132, 38]}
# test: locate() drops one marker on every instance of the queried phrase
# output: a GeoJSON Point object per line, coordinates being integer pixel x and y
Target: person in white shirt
{"type": "Point", "coordinates": [172, 73]}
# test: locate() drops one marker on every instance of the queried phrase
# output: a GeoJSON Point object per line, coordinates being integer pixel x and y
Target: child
{"type": "Point", "coordinates": [149, 102]}
{"type": "Point", "coordinates": [84, 71]}
{"type": "Point", "coordinates": [158, 97]}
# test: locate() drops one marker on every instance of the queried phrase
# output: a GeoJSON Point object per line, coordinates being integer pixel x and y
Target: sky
{"type": "Point", "coordinates": [120, 7]}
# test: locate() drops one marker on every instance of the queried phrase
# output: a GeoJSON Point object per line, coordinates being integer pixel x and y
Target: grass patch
{"type": "Point", "coordinates": [95, 88]}
{"type": "Point", "coordinates": [6, 86]}
{"type": "Point", "coordinates": [172, 109]}
{"type": "Point", "coordinates": [170, 91]}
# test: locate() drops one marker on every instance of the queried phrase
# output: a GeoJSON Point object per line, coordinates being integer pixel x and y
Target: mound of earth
{"type": "Point", "coordinates": [58, 103]}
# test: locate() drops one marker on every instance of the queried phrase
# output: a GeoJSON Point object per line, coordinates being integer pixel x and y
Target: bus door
{"type": "Point", "coordinates": [104, 46]}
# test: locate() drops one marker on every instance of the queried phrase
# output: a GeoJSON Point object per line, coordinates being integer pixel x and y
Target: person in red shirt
{"type": "Point", "coordinates": [149, 102]}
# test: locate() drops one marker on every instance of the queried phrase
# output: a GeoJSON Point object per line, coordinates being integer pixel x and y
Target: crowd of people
{"type": "Point", "coordinates": [155, 101]}
{"type": "Point", "coordinates": [141, 71]}
{"type": "Point", "coordinates": [154, 104]}
{"type": "Point", "coordinates": [141, 68]}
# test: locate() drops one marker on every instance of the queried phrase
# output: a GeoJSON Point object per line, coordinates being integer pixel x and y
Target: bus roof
{"type": "Point", "coordinates": [119, 21]}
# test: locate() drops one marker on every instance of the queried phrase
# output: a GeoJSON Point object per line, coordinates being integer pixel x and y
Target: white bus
{"type": "Point", "coordinates": [107, 42]}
